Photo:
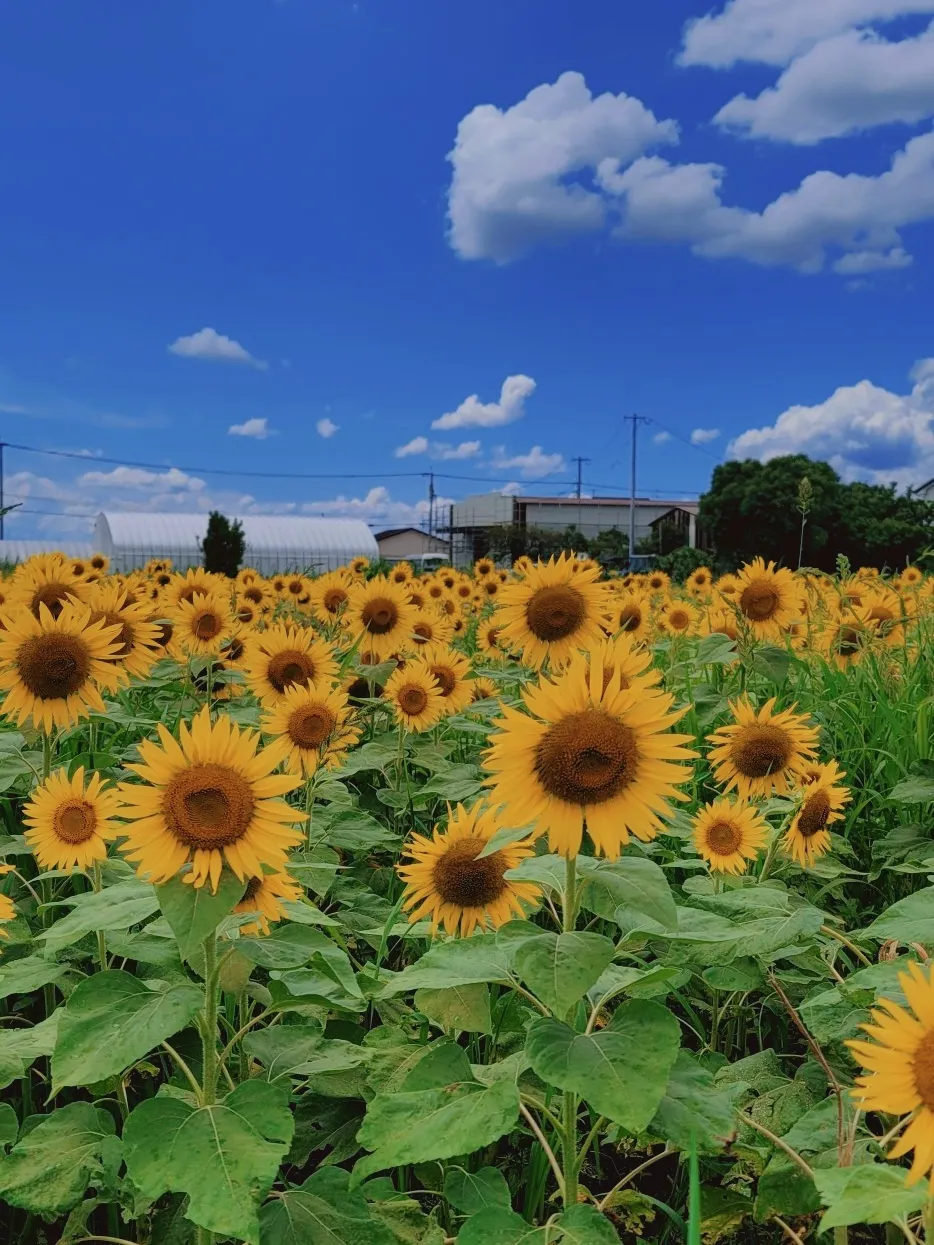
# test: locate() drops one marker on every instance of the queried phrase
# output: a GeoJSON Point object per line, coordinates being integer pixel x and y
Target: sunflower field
{"type": "Point", "coordinates": [526, 907]}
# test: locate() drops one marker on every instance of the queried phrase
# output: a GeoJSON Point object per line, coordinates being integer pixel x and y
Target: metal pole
{"type": "Point", "coordinates": [2, 443]}
{"type": "Point", "coordinates": [632, 490]}
{"type": "Point", "coordinates": [451, 535]}
{"type": "Point", "coordinates": [431, 501]}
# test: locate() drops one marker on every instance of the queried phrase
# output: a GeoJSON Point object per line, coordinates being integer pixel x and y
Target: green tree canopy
{"type": "Point", "coordinates": [223, 546]}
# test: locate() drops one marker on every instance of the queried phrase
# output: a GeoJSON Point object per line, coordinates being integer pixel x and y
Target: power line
{"type": "Point", "coordinates": [719, 458]}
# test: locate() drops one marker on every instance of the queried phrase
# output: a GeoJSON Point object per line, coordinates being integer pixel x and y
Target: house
{"type": "Point", "coordinates": [410, 544]}
{"type": "Point", "coordinates": [924, 492]}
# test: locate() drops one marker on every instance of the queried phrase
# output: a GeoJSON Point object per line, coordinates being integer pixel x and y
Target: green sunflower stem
{"type": "Point", "coordinates": [97, 884]}
{"type": "Point", "coordinates": [569, 913]}
{"type": "Point", "coordinates": [569, 1112]}
{"type": "Point", "coordinates": [209, 1061]}
{"type": "Point", "coordinates": [929, 1221]}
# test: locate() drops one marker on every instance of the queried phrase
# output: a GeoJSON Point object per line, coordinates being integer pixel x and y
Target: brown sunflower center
{"type": "Point", "coordinates": [53, 595]}
{"type": "Point", "coordinates": [207, 624]}
{"type": "Point", "coordinates": [814, 814]}
{"type": "Point", "coordinates": [724, 838]}
{"type": "Point", "coordinates": [445, 678]}
{"type": "Point", "coordinates": [422, 633]}
{"type": "Point", "coordinates": [850, 641]}
{"type": "Point", "coordinates": [164, 634]}
{"type": "Point", "coordinates": [333, 599]}
{"type": "Point", "coordinates": [587, 757]}
{"type": "Point", "coordinates": [311, 725]}
{"type": "Point", "coordinates": [922, 1068]}
{"type": "Point", "coordinates": [492, 637]}
{"type": "Point", "coordinates": [235, 649]}
{"type": "Point", "coordinates": [254, 594]}
{"type": "Point", "coordinates": [53, 666]}
{"type": "Point", "coordinates": [360, 689]}
{"type": "Point", "coordinates": [245, 612]}
{"type": "Point", "coordinates": [289, 668]}
{"type": "Point", "coordinates": [380, 615]}
{"type": "Point", "coordinates": [760, 749]}
{"type": "Point", "coordinates": [556, 612]}
{"type": "Point", "coordinates": [253, 887]}
{"type": "Point", "coordinates": [75, 821]}
{"type": "Point", "coordinates": [123, 638]}
{"type": "Point", "coordinates": [208, 806]}
{"type": "Point", "coordinates": [413, 700]}
{"type": "Point", "coordinates": [679, 620]}
{"type": "Point", "coordinates": [759, 601]}
{"type": "Point", "coordinates": [463, 878]}
{"type": "Point", "coordinates": [163, 580]}
{"type": "Point", "coordinates": [98, 562]}
{"type": "Point", "coordinates": [630, 618]}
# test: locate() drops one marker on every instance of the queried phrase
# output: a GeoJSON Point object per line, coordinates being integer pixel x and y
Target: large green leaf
{"type": "Point", "coordinates": [111, 1020]}
{"type": "Point", "coordinates": [621, 1071]}
{"type": "Point", "coordinates": [289, 946]}
{"type": "Point", "coordinates": [19, 1048]}
{"type": "Point", "coordinates": [458, 1009]}
{"type": "Point", "coordinates": [633, 891]}
{"type": "Point", "coordinates": [561, 968]}
{"type": "Point", "coordinates": [301, 1050]}
{"type": "Point", "coordinates": [225, 1157]}
{"type": "Point", "coordinates": [470, 1192]}
{"type": "Point", "coordinates": [868, 1193]}
{"type": "Point", "coordinates": [460, 962]}
{"type": "Point", "coordinates": [909, 920]}
{"type": "Point", "coordinates": [322, 1211]}
{"type": "Point", "coordinates": [48, 1171]}
{"type": "Point", "coordinates": [428, 1124]}
{"type": "Point", "coordinates": [193, 912]}
{"type": "Point", "coordinates": [9, 1125]}
{"type": "Point", "coordinates": [499, 1226]}
{"type": "Point", "coordinates": [918, 787]}
{"type": "Point", "coordinates": [115, 907]}
{"type": "Point", "coordinates": [18, 977]}
{"type": "Point", "coordinates": [584, 1225]}
{"type": "Point", "coordinates": [694, 1107]}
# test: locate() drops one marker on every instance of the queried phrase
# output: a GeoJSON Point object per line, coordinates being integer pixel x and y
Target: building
{"type": "Point", "coordinates": [21, 550]}
{"type": "Point", "coordinates": [409, 544]}
{"type": "Point", "coordinates": [924, 492]}
{"type": "Point", "coordinates": [274, 543]}
{"type": "Point", "coordinates": [470, 518]}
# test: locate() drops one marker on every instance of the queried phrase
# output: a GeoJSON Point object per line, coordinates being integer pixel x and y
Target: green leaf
{"type": "Point", "coordinates": [693, 1106]}
{"type": "Point", "coordinates": [193, 912]}
{"type": "Point", "coordinates": [459, 1009]}
{"type": "Point", "coordinates": [549, 871]}
{"type": "Point", "coordinates": [816, 1130]}
{"type": "Point", "coordinates": [28, 974]}
{"type": "Point", "coordinates": [918, 787]}
{"type": "Point", "coordinates": [289, 946]}
{"type": "Point", "coordinates": [621, 1071]}
{"type": "Point", "coordinates": [225, 1157]}
{"type": "Point", "coordinates": [460, 962]}
{"type": "Point", "coordinates": [115, 907]}
{"type": "Point", "coordinates": [772, 661]}
{"type": "Point", "coordinates": [909, 920]}
{"type": "Point", "coordinates": [560, 968]}
{"type": "Point", "coordinates": [716, 650]}
{"type": "Point", "coordinates": [869, 1193]}
{"type": "Point", "coordinates": [584, 1225]}
{"type": "Point", "coordinates": [301, 1050]}
{"type": "Point", "coordinates": [322, 1211]}
{"type": "Point", "coordinates": [19, 1048]}
{"type": "Point", "coordinates": [111, 1020]}
{"type": "Point", "coordinates": [471, 1192]}
{"type": "Point", "coordinates": [9, 1125]}
{"type": "Point", "coordinates": [631, 891]}
{"type": "Point", "coordinates": [48, 1171]}
{"type": "Point", "coordinates": [434, 1124]}
{"type": "Point", "coordinates": [498, 1226]}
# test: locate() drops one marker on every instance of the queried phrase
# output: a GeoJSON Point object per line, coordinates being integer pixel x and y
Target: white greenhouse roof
{"type": "Point", "coordinates": [273, 542]}
{"type": "Point", "coordinates": [20, 550]}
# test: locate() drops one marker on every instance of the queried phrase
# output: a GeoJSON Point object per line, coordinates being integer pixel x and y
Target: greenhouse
{"type": "Point", "coordinates": [273, 542]}
{"type": "Point", "coordinates": [19, 550]}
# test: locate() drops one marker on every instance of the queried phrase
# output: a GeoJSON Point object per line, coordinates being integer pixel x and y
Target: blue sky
{"type": "Point", "coordinates": [328, 223]}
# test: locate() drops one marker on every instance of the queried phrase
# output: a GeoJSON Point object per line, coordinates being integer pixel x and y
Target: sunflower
{"type": "Point", "coordinates": [482, 688]}
{"type": "Point", "coordinates": [137, 634]}
{"type": "Point", "coordinates": [768, 599]}
{"type": "Point", "coordinates": [401, 573]}
{"type": "Point", "coordinates": [51, 668]}
{"type": "Point", "coordinates": [728, 835]}
{"type": "Point", "coordinates": [381, 615]}
{"type": "Point", "coordinates": [430, 627]}
{"type": "Point", "coordinates": [910, 577]}
{"type": "Point", "coordinates": [100, 563]}
{"type": "Point", "coordinates": [359, 565]}
{"type": "Point", "coordinates": [622, 657]}
{"type": "Point", "coordinates": [45, 581]}
{"type": "Point", "coordinates": [78, 568]}
{"type": "Point", "coordinates": [70, 822]}
{"type": "Point", "coordinates": [677, 618]}
{"type": "Point", "coordinates": [246, 576]}
{"type": "Point", "coordinates": [207, 798]}
{"type": "Point", "coordinates": [315, 723]}
{"type": "Point", "coordinates": [158, 566]}
{"type": "Point", "coordinates": [630, 613]}
{"type": "Point", "coordinates": [552, 612]}
{"type": "Point", "coordinates": [761, 753]}
{"type": "Point", "coordinates": [452, 674]}
{"type": "Point", "coordinates": [822, 797]}
{"type": "Point", "coordinates": [657, 581]}
{"type": "Point", "coordinates": [483, 567]}
{"type": "Point", "coordinates": [417, 596]}
{"type": "Point", "coordinates": [415, 696]}
{"type": "Point", "coordinates": [246, 613]}
{"type": "Point", "coordinates": [588, 751]}
{"type": "Point", "coordinates": [201, 624]}
{"type": "Point", "coordinates": [463, 590]}
{"type": "Point", "coordinates": [728, 586]}
{"type": "Point", "coordinates": [448, 576]}
{"type": "Point", "coordinates": [846, 639]}
{"type": "Point", "coordinates": [195, 580]}
{"type": "Point", "coordinates": [898, 1067]}
{"type": "Point", "coordinates": [258, 595]}
{"type": "Point", "coordinates": [718, 621]}
{"type": "Point", "coordinates": [7, 908]}
{"type": "Point", "coordinates": [522, 564]}
{"type": "Point", "coordinates": [450, 882]}
{"type": "Point", "coordinates": [490, 637]}
{"type": "Point", "coordinates": [264, 895]}
{"type": "Point", "coordinates": [888, 612]}
{"type": "Point", "coordinates": [284, 656]}
{"type": "Point", "coordinates": [699, 582]}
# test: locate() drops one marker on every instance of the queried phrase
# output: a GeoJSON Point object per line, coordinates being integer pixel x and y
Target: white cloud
{"type": "Point", "coordinates": [214, 347]}
{"type": "Point", "coordinates": [776, 31]}
{"type": "Point", "coordinates": [418, 445]}
{"type": "Point", "coordinates": [662, 438]}
{"type": "Point", "coordinates": [326, 427]}
{"type": "Point", "coordinates": [847, 83]}
{"type": "Point", "coordinates": [137, 478]}
{"type": "Point", "coordinates": [512, 489]}
{"type": "Point", "coordinates": [702, 436]}
{"type": "Point", "coordinates": [376, 507]}
{"type": "Point", "coordinates": [863, 431]}
{"type": "Point", "coordinates": [517, 172]}
{"type": "Point", "coordinates": [873, 261]}
{"type": "Point", "coordinates": [472, 413]}
{"type": "Point", "coordinates": [466, 449]}
{"type": "Point", "coordinates": [256, 428]}
{"type": "Point", "coordinates": [535, 463]}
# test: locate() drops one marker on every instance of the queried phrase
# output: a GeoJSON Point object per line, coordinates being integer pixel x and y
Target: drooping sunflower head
{"type": "Point", "coordinates": [728, 835]}
{"type": "Point", "coordinates": [457, 888]}
{"type": "Point", "coordinates": [768, 599]}
{"type": "Point", "coordinates": [552, 612]}
{"type": "Point", "coordinates": [314, 725]}
{"type": "Point", "coordinates": [761, 752]}
{"type": "Point", "coordinates": [208, 798]}
{"type": "Point", "coordinates": [52, 667]}
{"type": "Point", "coordinates": [588, 753]}
{"type": "Point", "coordinates": [898, 1067]}
{"type": "Point", "coordinates": [380, 614]}
{"type": "Point", "coordinates": [413, 692]}
{"type": "Point", "coordinates": [264, 896]}
{"type": "Point", "coordinates": [820, 795]}
{"type": "Point", "coordinates": [70, 821]}
{"type": "Point", "coordinates": [202, 624]}
{"type": "Point", "coordinates": [285, 656]}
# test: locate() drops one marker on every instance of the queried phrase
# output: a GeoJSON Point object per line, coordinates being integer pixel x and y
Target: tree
{"type": "Point", "coordinates": [878, 527]}
{"type": "Point", "coordinates": [223, 546]}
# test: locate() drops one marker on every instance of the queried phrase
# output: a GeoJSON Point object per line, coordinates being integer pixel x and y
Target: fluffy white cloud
{"type": "Point", "coordinates": [472, 413]}
{"type": "Point", "coordinates": [863, 431]}
{"type": "Point", "coordinates": [466, 449]}
{"type": "Point", "coordinates": [257, 428]}
{"type": "Point", "coordinates": [168, 481]}
{"type": "Point", "coordinates": [517, 172]}
{"type": "Point", "coordinates": [326, 427]}
{"type": "Point", "coordinates": [376, 507]}
{"type": "Point", "coordinates": [512, 489]}
{"type": "Point", "coordinates": [776, 31]}
{"type": "Point", "coordinates": [662, 438]}
{"type": "Point", "coordinates": [418, 445]}
{"type": "Point", "coordinates": [850, 82]}
{"type": "Point", "coordinates": [214, 347]}
{"type": "Point", "coordinates": [702, 436]}
{"type": "Point", "coordinates": [535, 463]}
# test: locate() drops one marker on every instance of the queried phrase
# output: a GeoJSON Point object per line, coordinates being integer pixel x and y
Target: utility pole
{"type": "Point", "coordinates": [577, 492]}
{"type": "Point", "coordinates": [431, 502]}
{"type": "Point", "coordinates": [636, 421]}
{"type": "Point", "coordinates": [2, 444]}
